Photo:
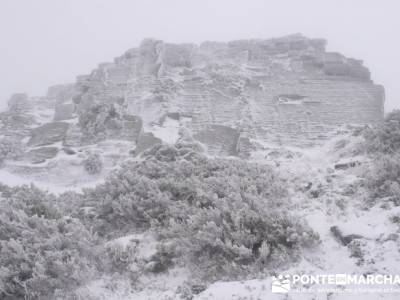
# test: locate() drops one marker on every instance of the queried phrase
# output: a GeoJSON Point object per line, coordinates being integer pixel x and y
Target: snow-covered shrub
{"type": "Point", "coordinates": [384, 138]}
{"type": "Point", "coordinates": [222, 215]}
{"type": "Point", "coordinates": [93, 164]}
{"type": "Point", "coordinates": [120, 257]}
{"type": "Point", "coordinates": [31, 200]}
{"type": "Point", "coordinates": [383, 143]}
{"type": "Point", "coordinates": [42, 253]}
{"type": "Point", "coordinates": [233, 241]}
{"type": "Point", "coordinates": [10, 148]}
{"type": "Point", "coordinates": [384, 179]}
{"type": "Point", "coordinates": [97, 119]}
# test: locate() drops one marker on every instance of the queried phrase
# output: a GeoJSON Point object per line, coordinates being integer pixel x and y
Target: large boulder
{"type": "Point", "coordinates": [359, 71]}
{"type": "Point", "coordinates": [146, 141]}
{"type": "Point", "coordinates": [336, 69]}
{"type": "Point", "coordinates": [64, 111]}
{"type": "Point", "coordinates": [19, 103]}
{"type": "Point", "coordinates": [178, 55]}
{"type": "Point", "coordinates": [244, 146]}
{"type": "Point", "coordinates": [342, 238]}
{"type": "Point", "coordinates": [39, 155]}
{"type": "Point", "coordinates": [48, 134]}
{"type": "Point", "coordinates": [131, 127]}
{"type": "Point", "coordinates": [61, 93]}
{"type": "Point", "coordinates": [74, 136]}
{"type": "Point", "coordinates": [150, 57]}
{"type": "Point", "coordinates": [219, 139]}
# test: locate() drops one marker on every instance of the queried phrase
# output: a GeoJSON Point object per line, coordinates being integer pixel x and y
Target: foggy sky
{"type": "Point", "coordinates": [45, 42]}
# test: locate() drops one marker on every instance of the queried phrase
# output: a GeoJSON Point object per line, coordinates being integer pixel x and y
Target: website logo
{"type": "Point", "coordinates": [343, 283]}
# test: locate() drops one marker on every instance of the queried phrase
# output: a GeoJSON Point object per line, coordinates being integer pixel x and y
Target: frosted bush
{"type": "Point", "coordinates": [97, 119]}
{"type": "Point", "coordinates": [222, 218]}
{"type": "Point", "coordinates": [384, 138]}
{"type": "Point", "coordinates": [222, 215]}
{"type": "Point", "coordinates": [93, 164]}
{"type": "Point", "coordinates": [41, 252]}
{"type": "Point", "coordinates": [10, 148]}
{"type": "Point", "coordinates": [383, 143]}
{"type": "Point", "coordinates": [384, 179]}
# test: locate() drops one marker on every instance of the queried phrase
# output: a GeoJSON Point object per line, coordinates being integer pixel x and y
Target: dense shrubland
{"type": "Point", "coordinates": [10, 148]}
{"type": "Point", "coordinates": [384, 138]}
{"type": "Point", "coordinates": [93, 164]}
{"type": "Point", "coordinates": [97, 119]}
{"type": "Point", "coordinates": [383, 144]}
{"type": "Point", "coordinates": [222, 215]}
{"type": "Point", "coordinates": [42, 252]}
{"type": "Point", "coordinates": [220, 218]}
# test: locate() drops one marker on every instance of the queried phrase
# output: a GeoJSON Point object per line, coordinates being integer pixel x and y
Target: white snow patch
{"type": "Point", "coordinates": [167, 132]}
{"type": "Point", "coordinates": [144, 244]}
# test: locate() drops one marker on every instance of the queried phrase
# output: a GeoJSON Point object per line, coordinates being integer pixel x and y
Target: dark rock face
{"type": "Point", "coordinates": [344, 239]}
{"type": "Point", "coordinates": [198, 288]}
{"type": "Point", "coordinates": [244, 147]}
{"type": "Point", "coordinates": [178, 55]}
{"type": "Point", "coordinates": [149, 57]}
{"type": "Point", "coordinates": [132, 126]}
{"type": "Point", "coordinates": [73, 137]}
{"type": "Point", "coordinates": [48, 134]}
{"type": "Point", "coordinates": [69, 151]}
{"type": "Point", "coordinates": [19, 103]}
{"type": "Point", "coordinates": [146, 141]}
{"type": "Point", "coordinates": [61, 93]}
{"type": "Point", "coordinates": [40, 155]}
{"type": "Point", "coordinates": [220, 139]}
{"type": "Point", "coordinates": [345, 166]}
{"type": "Point", "coordinates": [64, 111]}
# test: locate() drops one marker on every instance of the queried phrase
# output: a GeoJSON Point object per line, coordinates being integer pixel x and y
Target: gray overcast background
{"type": "Point", "coordinates": [45, 42]}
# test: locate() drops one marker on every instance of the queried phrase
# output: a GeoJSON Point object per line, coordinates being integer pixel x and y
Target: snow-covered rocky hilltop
{"type": "Point", "coordinates": [231, 97]}
{"type": "Point", "coordinates": [184, 171]}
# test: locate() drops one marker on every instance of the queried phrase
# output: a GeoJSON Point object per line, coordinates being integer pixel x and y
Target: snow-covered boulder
{"type": "Point", "coordinates": [64, 111]}
{"type": "Point", "coordinates": [48, 134]}
{"type": "Point", "coordinates": [39, 155]}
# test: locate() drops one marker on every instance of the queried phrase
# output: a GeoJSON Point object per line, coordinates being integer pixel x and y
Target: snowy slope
{"type": "Point", "coordinates": [324, 196]}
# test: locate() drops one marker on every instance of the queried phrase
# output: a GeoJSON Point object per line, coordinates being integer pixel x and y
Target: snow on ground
{"type": "Point", "coordinates": [65, 172]}
{"type": "Point", "coordinates": [160, 287]}
{"type": "Point", "coordinates": [77, 180]}
{"type": "Point", "coordinates": [144, 244]}
{"type": "Point", "coordinates": [167, 132]}
{"type": "Point", "coordinates": [251, 289]}
{"type": "Point", "coordinates": [320, 193]}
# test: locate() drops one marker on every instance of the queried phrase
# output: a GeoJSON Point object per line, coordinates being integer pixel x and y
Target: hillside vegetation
{"type": "Point", "coordinates": [219, 218]}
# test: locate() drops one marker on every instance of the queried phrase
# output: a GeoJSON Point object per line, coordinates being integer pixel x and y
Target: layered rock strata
{"type": "Point", "coordinates": [287, 91]}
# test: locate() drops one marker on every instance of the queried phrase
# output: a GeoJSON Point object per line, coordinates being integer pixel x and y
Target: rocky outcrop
{"type": "Point", "coordinates": [19, 103]}
{"type": "Point", "coordinates": [221, 140]}
{"type": "Point", "coordinates": [284, 91]}
{"type": "Point", "coordinates": [146, 141]}
{"type": "Point", "coordinates": [17, 120]}
{"type": "Point", "coordinates": [74, 136]}
{"type": "Point", "coordinates": [48, 134]}
{"type": "Point", "coordinates": [345, 166]}
{"type": "Point", "coordinates": [40, 155]}
{"type": "Point", "coordinates": [287, 90]}
{"type": "Point", "coordinates": [132, 126]}
{"type": "Point", "coordinates": [244, 146]}
{"type": "Point", "coordinates": [342, 238]}
{"type": "Point", "coordinates": [61, 93]}
{"type": "Point", "coordinates": [64, 111]}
